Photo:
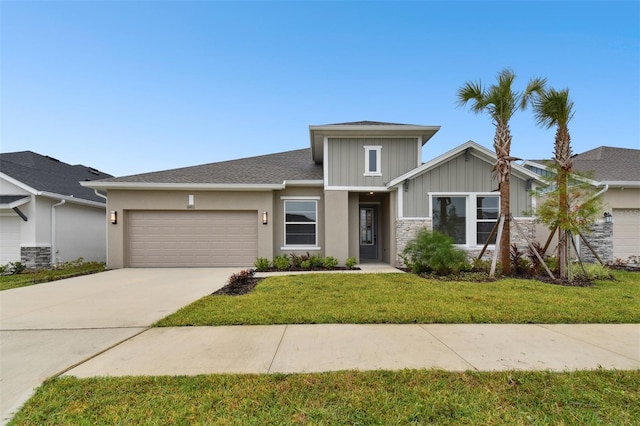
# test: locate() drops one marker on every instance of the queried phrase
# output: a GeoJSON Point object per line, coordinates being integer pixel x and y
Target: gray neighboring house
{"type": "Point", "coordinates": [616, 171]}
{"type": "Point", "coordinates": [360, 190]}
{"type": "Point", "coordinates": [46, 216]}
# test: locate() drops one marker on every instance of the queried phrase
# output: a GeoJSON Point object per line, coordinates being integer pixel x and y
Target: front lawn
{"type": "Point", "coordinates": [66, 270]}
{"type": "Point", "coordinates": [406, 298]}
{"type": "Point", "coordinates": [371, 398]}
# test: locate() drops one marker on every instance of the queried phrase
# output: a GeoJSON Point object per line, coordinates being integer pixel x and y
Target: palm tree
{"type": "Point", "coordinates": [554, 108]}
{"type": "Point", "coordinates": [500, 101]}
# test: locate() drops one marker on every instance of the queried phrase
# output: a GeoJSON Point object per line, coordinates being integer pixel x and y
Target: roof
{"type": "Point", "coordinates": [610, 164]}
{"type": "Point", "coordinates": [272, 169]}
{"type": "Point", "coordinates": [46, 174]}
{"type": "Point", "coordinates": [605, 164]}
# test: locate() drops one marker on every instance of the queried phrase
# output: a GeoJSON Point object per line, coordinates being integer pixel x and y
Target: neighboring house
{"type": "Point", "coordinates": [616, 172]}
{"type": "Point", "coordinates": [46, 216]}
{"type": "Point", "coordinates": [361, 190]}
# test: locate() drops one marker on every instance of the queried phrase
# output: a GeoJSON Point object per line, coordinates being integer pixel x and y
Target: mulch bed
{"type": "Point", "coordinates": [238, 289]}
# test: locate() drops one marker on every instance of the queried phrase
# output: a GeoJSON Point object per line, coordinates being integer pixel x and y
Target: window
{"type": "Point", "coordinates": [300, 223]}
{"type": "Point", "coordinates": [450, 217]}
{"type": "Point", "coordinates": [372, 161]}
{"type": "Point", "coordinates": [487, 209]}
{"type": "Point", "coordinates": [454, 215]}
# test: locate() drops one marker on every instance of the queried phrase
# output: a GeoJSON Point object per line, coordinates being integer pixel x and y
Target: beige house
{"type": "Point", "coordinates": [361, 190]}
{"type": "Point", "coordinates": [616, 173]}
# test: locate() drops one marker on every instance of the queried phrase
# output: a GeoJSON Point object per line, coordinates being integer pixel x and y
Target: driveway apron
{"type": "Point", "coordinates": [47, 328]}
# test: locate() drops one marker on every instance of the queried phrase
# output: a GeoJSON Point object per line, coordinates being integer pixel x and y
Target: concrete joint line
{"type": "Point", "coordinates": [423, 326]}
{"type": "Point", "coordinates": [275, 354]}
{"type": "Point", "coordinates": [73, 328]}
{"type": "Point", "coordinates": [89, 358]}
{"type": "Point", "coordinates": [585, 341]}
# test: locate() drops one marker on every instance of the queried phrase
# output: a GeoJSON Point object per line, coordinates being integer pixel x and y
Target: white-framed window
{"type": "Point", "coordinates": [300, 223]}
{"type": "Point", "coordinates": [372, 160]}
{"type": "Point", "coordinates": [467, 218]}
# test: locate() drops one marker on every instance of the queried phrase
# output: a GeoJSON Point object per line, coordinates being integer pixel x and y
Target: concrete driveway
{"type": "Point", "coordinates": [47, 328]}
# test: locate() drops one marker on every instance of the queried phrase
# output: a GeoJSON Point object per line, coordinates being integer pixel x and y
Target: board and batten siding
{"type": "Point", "coordinates": [463, 176]}
{"type": "Point", "coordinates": [347, 160]}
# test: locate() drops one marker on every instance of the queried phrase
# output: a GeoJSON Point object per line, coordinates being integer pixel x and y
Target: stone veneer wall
{"type": "Point", "coordinates": [35, 257]}
{"type": "Point", "coordinates": [407, 228]}
{"type": "Point", "coordinates": [600, 236]}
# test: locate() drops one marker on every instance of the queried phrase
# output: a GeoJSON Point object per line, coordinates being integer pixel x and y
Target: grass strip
{"type": "Point", "coordinates": [350, 397]}
{"type": "Point", "coordinates": [69, 270]}
{"type": "Point", "coordinates": [406, 298]}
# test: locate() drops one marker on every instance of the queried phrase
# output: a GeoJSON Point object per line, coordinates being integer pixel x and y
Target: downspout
{"type": "Point", "coordinates": [106, 226]}
{"type": "Point", "coordinates": [53, 231]}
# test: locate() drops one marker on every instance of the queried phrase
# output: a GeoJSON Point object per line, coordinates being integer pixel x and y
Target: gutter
{"type": "Point", "coordinates": [53, 230]}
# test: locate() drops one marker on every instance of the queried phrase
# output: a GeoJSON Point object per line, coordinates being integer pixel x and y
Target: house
{"type": "Point", "coordinates": [616, 172]}
{"type": "Point", "coordinates": [46, 216]}
{"type": "Point", "coordinates": [360, 190]}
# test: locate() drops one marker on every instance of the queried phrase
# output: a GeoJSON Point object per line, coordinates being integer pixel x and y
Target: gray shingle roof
{"type": "Point", "coordinates": [609, 163]}
{"type": "Point", "coordinates": [48, 174]}
{"type": "Point", "coordinates": [264, 169]}
{"type": "Point", "coordinates": [368, 123]}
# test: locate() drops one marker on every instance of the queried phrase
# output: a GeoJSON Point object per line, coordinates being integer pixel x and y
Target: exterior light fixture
{"type": "Point", "coordinates": [608, 218]}
{"type": "Point", "coordinates": [265, 218]}
{"type": "Point", "coordinates": [190, 201]}
{"type": "Point", "coordinates": [113, 217]}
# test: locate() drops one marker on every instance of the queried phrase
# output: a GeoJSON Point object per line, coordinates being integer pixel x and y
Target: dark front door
{"type": "Point", "coordinates": [369, 232]}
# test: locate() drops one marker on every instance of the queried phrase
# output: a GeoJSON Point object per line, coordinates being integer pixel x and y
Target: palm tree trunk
{"type": "Point", "coordinates": [564, 161]}
{"type": "Point", "coordinates": [502, 145]}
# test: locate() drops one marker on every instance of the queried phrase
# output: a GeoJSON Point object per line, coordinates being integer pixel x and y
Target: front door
{"type": "Point", "coordinates": [369, 232]}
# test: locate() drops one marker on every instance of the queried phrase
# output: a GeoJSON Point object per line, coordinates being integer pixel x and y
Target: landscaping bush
{"type": "Point", "coordinates": [350, 263]}
{"type": "Point", "coordinates": [519, 264]}
{"type": "Point", "coordinates": [281, 263]}
{"type": "Point", "coordinates": [591, 271]}
{"type": "Point", "coordinates": [262, 264]}
{"type": "Point", "coordinates": [305, 264]}
{"type": "Point", "coordinates": [295, 260]}
{"type": "Point", "coordinates": [316, 261]}
{"type": "Point", "coordinates": [434, 252]}
{"type": "Point", "coordinates": [330, 262]}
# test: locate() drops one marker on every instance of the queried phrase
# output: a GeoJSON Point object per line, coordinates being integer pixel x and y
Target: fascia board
{"type": "Point", "coordinates": [182, 186]}
{"type": "Point", "coordinates": [19, 184]}
{"type": "Point", "coordinates": [620, 183]}
{"type": "Point", "coordinates": [303, 183]}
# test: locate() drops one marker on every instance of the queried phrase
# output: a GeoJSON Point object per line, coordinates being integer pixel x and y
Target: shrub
{"type": "Point", "coordinates": [592, 271]}
{"type": "Point", "coordinates": [350, 262]}
{"type": "Point", "coordinates": [305, 264]}
{"type": "Point", "coordinates": [262, 264]}
{"type": "Point", "coordinates": [241, 278]}
{"type": "Point", "coordinates": [316, 261]}
{"type": "Point", "coordinates": [434, 252]}
{"type": "Point", "coordinates": [281, 263]}
{"type": "Point", "coordinates": [536, 266]}
{"type": "Point", "coordinates": [519, 264]}
{"type": "Point", "coordinates": [330, 262]}
{"type": "Point", "coordinates": [16, 268]}
{"type": "Point", "coordinates": [296, 260]}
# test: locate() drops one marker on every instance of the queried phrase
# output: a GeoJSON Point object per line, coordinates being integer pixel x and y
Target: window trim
{"type": "Point", "coordinates": [311, 247]}
{"type": "Point", "coordinates": [378, 151]}
{"type": "Point", "coordinates": [470, 209]}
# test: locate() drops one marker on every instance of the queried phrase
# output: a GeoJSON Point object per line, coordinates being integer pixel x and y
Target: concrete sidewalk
{"type": "Point", "coordinates": [331, 347]}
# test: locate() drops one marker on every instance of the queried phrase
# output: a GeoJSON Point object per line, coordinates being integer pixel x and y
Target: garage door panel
{"type": "Point", "coordinates": [192, 238]}
{"type": "Point", "coordinates": [626, 233]}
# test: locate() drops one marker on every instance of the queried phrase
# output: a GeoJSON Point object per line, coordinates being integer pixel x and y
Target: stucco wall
{"type": "Point", "coordinates": [278, 219]}
{"type": "Point", "coordinates": [80, 232]}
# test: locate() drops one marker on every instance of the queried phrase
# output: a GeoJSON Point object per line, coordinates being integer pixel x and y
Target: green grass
{"type": "Point", "coordinates": [371, 398]}
{"type": "Point", "coordinates": [406, 298]}
{"type": "Point", "coordinates": [66, 270]}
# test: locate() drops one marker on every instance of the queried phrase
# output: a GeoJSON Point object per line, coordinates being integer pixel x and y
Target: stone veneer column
{"type": "Point", "coordinates": [406, 230]}
{"type": "Point", "coordinates": [35, 257]}
{"type": "Point", "coordinates": [600, 236]}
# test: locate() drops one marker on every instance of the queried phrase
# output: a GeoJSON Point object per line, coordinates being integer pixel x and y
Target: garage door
{"type": "Point", "coordinates": [626, 233]}
{"type": "Point", "coordinates": [192, 238]}
{"type": "Point", "coordinates": [9, 239]}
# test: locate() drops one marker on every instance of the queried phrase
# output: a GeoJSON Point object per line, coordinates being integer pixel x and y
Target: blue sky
{"type": "Point", "coordinates": [136, 86]}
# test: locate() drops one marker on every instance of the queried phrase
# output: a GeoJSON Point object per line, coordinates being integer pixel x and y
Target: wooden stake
{"type": "Point", "coordinates": [533, 249]}
{"type": "Point", "coordinates": [492, 272]}
{"type": "Point", "coordinates": [493, 231]}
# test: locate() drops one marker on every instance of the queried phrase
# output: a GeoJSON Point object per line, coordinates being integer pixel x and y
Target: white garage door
{"type": "Point", "coordinates": [626, 233]}
{"type": "Point", "coordinates": [9, 239]}
{"type": "Point", "coordinates": [192, 238]}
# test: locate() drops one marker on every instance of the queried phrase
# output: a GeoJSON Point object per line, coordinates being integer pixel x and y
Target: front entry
{"type": "Point", "coordinates": [369, 232]}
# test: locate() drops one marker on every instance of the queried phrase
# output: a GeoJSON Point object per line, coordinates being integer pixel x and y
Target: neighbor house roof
{"type": "Point", "coordinates": [604, 165]}
{"type": "Point", "coordinates": [271, 171]}
{"type": "Point", "coordinates": [610, 164]}
{"type": "Point", "coordinates": [44, 175]}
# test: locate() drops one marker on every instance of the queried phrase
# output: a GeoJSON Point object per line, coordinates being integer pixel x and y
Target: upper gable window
{"type": "Point", "coordinates": [372, 160]}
